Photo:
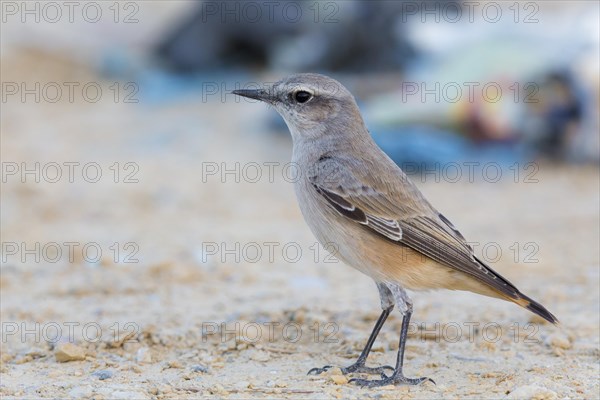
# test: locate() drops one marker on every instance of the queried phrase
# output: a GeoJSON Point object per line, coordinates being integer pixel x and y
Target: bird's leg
{"type": "Point", "coordinates": [397, 377]}
{"type": "Point", "coordinates": [387, 304]}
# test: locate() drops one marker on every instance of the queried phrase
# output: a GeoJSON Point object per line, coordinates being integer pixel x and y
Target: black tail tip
{"type": "Point", "coordinates": [540, 310]}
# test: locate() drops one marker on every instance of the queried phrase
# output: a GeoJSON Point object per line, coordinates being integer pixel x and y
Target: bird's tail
{"type": "Point", "coordinates": [508, 291]}
{"type": "Point", "coordinates": [535, 307]}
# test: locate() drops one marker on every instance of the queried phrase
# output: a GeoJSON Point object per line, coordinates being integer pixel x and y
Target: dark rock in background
{"type": "Point", "coordinates": [333, 35]}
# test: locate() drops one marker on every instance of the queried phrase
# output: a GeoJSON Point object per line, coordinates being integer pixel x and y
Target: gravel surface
{"type": "Point", "coordinates": [187, 299]}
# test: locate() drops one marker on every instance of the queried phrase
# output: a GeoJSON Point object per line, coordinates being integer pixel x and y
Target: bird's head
{"type": "Point", "coordinates": [311, 104]}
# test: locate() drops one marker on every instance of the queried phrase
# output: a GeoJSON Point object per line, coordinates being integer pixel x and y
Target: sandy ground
{"type": "Point", "coordinates": [168, 312]}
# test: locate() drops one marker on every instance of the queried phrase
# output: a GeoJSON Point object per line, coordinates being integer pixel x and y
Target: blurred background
{"type": "Point", "coordinates": [118, 130]}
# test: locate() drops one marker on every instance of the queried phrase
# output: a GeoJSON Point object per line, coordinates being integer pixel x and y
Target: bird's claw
{"type": "Point", "coordinates": [362, 369]}
{"type": "Point", "coordinates": [358, 368]}
{"type": "Point", "coordinates": [318, 371]}
{"type": "Point", "coordinates": [390, 380]}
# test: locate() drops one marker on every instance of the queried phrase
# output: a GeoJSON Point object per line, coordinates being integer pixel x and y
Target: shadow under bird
{"type": "Point", "coordinates": [352, 195]}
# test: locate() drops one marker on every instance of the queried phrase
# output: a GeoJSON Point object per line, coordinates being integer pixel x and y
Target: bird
{"type": "Point", "coordinates": [352, 195]}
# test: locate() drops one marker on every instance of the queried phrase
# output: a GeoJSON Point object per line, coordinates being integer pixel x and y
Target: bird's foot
{"type": "Point", "coordinates": [318, 371]}
{"type": "Point", "coordinates": [363, 369]}
{"type": "Point", "coordinates": [396, 380]}
{"type": "Point", "coordinates": [357, 367]}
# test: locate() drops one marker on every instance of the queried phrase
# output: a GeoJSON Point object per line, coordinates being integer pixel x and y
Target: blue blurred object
{"type": "Point", "coordinates": [428, 147]}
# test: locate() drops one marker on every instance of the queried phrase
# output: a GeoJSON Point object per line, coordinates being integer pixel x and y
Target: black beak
{"type": "Point", "coordinates": [257, 94]}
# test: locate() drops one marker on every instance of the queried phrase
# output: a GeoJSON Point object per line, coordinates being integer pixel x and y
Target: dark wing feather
{"type": "Point", "coordinates": [342, 205]}
{"type": "Point", "coordinates": [387, 227]}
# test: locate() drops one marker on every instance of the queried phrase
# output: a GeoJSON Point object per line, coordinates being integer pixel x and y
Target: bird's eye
{"type": "Point", "coordinates": [301, 96]}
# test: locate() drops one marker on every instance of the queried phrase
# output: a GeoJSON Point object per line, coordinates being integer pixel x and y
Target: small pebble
{"type": "Point", "coordinates": [219, 389]}
{"type": "Point", "coordinates": [299, 316]}
{"type": "Point", "coordinates": [69, 352]}
{"type": "Point", "coordinates": [23, 360]}
{"type": "Point", "coordinates": [121, 338]}
{"type": "Point", "coordinates": [128, 395]}
{"type": "Point", "coordinates": [174, 364]}
{"type": "Point", "coordinates": [533, 392]}
{"type": "Point", "coordinates": [241, 385]}
{"type": "Point", "coordinates": [81, 392]}
{"type": "Point", "coordinates": [143, 355]}
{"type": "Point", "coordinates": [260, 356]}
{"type": "Point", "coordinates": [135, 369]}
{"type": "Point", "coordinates": [36, 353]}
{"type": "Point", "coordinates": [199, 368]}
{"type": "Point", "coordinates": [103, 374]}
{"type": "Point", "coordinates": [334, 371]}
{"type": "Point", "coordinates": [377, 349]}
{"type": "Point", "coordinates": [559, 341]}
{"type": "Point", "coordinates": [339, 379]}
